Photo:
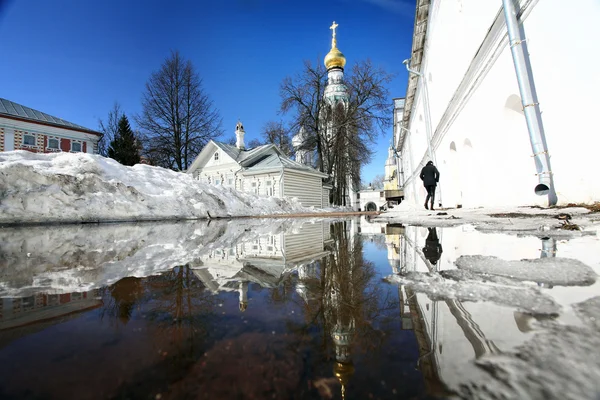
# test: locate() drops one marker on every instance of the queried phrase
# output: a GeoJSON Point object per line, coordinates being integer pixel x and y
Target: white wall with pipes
{"type": "Point", "coordinates": [479, 135]}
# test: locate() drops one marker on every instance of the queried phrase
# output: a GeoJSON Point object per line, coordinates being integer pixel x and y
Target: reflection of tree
{"type": "Point", "coordinates": [180, 308]}
{"type": "Point", "coordinates": [175, 303]}
{"type": "Point", "coordinates": [123, 296]}
{"type": "Point", "coordinates": [349, 300]}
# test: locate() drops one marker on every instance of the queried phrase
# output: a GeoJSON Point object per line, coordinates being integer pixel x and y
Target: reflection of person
{"type": "Point", "coordinates": [433, 248]}
{"type": "Point", "coordinates": [430, 177]}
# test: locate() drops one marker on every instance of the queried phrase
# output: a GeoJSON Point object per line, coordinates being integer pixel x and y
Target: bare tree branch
{"type": "Point", "coordinates": [178, 118]}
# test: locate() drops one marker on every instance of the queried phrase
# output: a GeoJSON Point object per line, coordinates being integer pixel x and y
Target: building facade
{"type": "Point", "coordinates": [23, 128]}
{"type": "Point", "coordinates": [464, 108]}
{"type": "Point", "coordinates": [263, 171]}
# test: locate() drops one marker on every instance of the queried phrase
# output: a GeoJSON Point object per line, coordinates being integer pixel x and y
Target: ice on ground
{"type": "Point", "coordinates": [80, 187]}
{"type": "Point", "coordinates": [522, 297]}
{"type": "Point", "coordinates": [589, 312]}
{"type": "Point", "coordinates": [559, 362]}
{"type": "Point", "coordinates": [549, 270]}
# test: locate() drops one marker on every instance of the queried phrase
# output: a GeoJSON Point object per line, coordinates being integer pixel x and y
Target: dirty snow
{"type": "Point", "coordinates": [80, 187]}
{"type": "Point", "coordinates": [551, 271]}
{"type": "Point", "coordinates": [540, 221]}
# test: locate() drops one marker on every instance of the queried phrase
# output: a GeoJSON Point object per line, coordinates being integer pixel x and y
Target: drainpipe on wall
{"type": "Point", "coordinates": [529, 100]}
{"type": "Point", "coordinates": [427, 113]}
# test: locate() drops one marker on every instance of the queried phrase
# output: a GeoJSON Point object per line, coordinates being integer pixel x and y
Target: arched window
{"type": "Point", "coordinates": [468, 143]}
{"type": "Point", "coordinates": [452, 146]}
{"type": "Point", "coordinates": [216, 156]}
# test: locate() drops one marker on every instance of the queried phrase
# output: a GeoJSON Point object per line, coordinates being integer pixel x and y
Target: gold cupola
{"type": "Point", "coordinates": [334, 58]}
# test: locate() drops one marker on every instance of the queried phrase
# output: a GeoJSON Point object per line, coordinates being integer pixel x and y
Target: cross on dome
{"type": "Point", "coordinates": [332, 27]}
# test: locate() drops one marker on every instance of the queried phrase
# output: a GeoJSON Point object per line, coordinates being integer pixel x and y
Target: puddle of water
{"type": "Point", "coordinates": [274, 309]}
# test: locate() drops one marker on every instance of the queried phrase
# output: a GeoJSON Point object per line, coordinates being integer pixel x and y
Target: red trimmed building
{"type": "Point", "coordinates": [23, 128]}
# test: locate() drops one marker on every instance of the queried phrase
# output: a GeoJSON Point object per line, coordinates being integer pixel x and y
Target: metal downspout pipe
{"type": "Point", "coordinates": [427, 113]}
{"type": "Point", "coordinates": [529, 100]}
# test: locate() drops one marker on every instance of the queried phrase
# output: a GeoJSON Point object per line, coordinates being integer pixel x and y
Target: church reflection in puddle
{"type": "Point", "coordinates": [291, 312]}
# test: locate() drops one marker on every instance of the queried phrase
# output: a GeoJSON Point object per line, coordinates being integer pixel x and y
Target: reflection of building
{"type": "Point", "coordinates": [23, 128]}
{"type": "Point", "coordinates": [264, 261]}
{"type": "Point", "coordinates": [21, 316]}
{"type": "Point", "coordinates": [26, 310]}
{"type": "Point", "coordinates": [452, 333]}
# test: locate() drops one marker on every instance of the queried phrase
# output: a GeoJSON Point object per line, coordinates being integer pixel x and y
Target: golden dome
{"type": "Point", "coordinates": [335, 58]}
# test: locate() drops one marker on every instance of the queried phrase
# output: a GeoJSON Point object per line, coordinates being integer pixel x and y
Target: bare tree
{"type": "Point", "coordinates": [376, 183]}
{"type": "Point", "coordinates": [109, 128]}
{"type": "Point", "coordinates": [341, 134]}
{"type": "Point", "coordinates": [255, 143]}
{"type": "Point", "coordinates": [274, 132]}
{"type": "Point", "coordinates": [303, 96]}
{"type": "Point", "coordinates": [178, 118]}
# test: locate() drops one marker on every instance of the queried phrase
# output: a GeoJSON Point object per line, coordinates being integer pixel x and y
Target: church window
{"type": "Point", "coordinates": [53, 144]}
{"type": "Point", "coordinates": [75, 147]}
{"type": "Point", "coordinates": [29, 140]}
{"type": "Point", "coordinates": [216, 156]}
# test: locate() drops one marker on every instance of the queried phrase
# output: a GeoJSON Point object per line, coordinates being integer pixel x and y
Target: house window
{"type": "Point", "coordinates": [216, 156]}
{"type": "Point", "coordinates": [230, 181]}
{"type": "Point", "coordinates": [29, 140]}
{"type": "Point", "coordinates": [53, 144]}
{"type": "Point", "coordinates": [381, 194]}
{"type": "Point", "coordinates": [75, 147]}
{"type": "Point", "coordinates": [269, 188]}
{"type": "Point", "coordinates": [217, 181]}
{"type": "Point", "coordinates": [254, 188]}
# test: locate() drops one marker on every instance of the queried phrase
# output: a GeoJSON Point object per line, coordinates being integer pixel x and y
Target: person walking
{"type": "Point", "coordinates": [430, 177]}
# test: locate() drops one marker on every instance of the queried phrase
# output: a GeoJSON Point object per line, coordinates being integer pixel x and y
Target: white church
{"type": "Point", "coordinates": [264, 171]}
{"type": "Point", "coordinates": [502, 97]}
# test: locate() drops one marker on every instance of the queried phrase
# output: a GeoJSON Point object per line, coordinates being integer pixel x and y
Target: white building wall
{"type": "Point", "coordinates": [8, 126]}
{"type": "Point", "coordinates": [484, 157]}
{"type": "Point", "coordinates": [371, 196]}
{"type": "Point", "coordinates": [308, 189]}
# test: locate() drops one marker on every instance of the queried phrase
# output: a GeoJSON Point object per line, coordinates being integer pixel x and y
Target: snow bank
{"type": "Point", "coordinates": [522, 297]}
{"type": "Point", "coordinates": [80, 187]}
{"type": "Point", "coordinates": [550, 270]}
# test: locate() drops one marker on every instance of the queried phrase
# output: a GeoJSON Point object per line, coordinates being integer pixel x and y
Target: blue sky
{"type": "Point", "coordinates": [74, 58]}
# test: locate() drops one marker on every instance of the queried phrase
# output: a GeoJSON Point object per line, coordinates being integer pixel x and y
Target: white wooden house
{"type": "Point", "coordinates": [264, 171]}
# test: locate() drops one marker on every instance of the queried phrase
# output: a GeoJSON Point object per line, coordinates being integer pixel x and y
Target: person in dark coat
{"type": "Point", "coordinates": [433, 248]}
{"type": "Point", "coordinates": [430, 177]}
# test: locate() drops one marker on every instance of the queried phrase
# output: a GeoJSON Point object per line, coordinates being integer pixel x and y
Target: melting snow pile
{"type": "Point", "coordinates": [476, 288]}
{"type": "Point", "coordinates": [66, 187]}
{"type": "Point", "coordinates": [551, 270]}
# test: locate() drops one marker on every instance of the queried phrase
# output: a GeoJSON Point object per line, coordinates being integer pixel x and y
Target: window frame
{"type": "Point", "coordinates": [57, 144]}
{"type": "Point", "coordinates": [80, 147]}
{"type": "Point", "coordinates": [29, 135]}
{"type": "Point", "coordinates": [216, 156]}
